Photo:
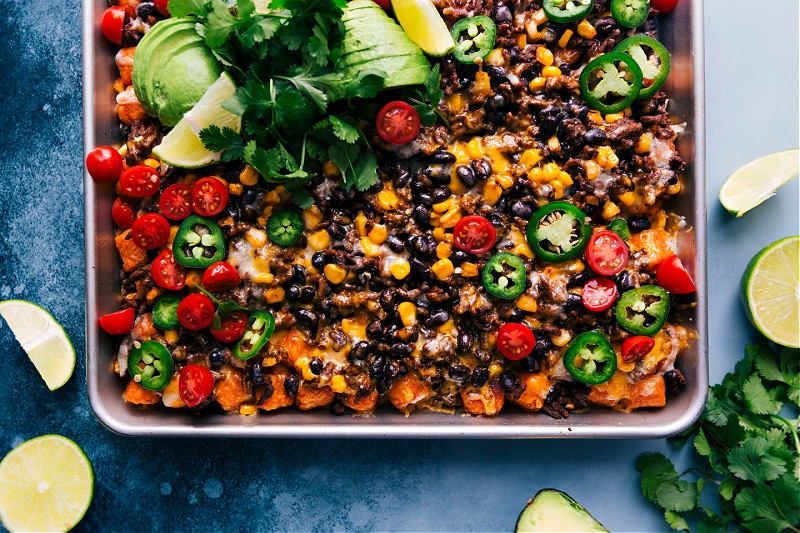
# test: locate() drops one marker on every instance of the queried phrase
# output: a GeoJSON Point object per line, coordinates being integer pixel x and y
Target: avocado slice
{"type": "Point", "coordinates": [553, 510]}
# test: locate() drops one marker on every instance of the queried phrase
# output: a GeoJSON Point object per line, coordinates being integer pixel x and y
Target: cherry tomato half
{"type": "Point", "coordinates": [221, 276]}
{"type": "Point", "coordinates": [150, 231]}
{"type": "Point", "coordinates": [195, 385]}
{"type": "Point", "coordinates": [231, 328]}
{"type": "Point", "coordinates": [515, 341]}
{"type": "Point", "coordinates": [636, 347]}
{"type": "Point", "coordinates": [104, 163]}
{"type": "Point", "coordinates": [599, 294]}
{"type": "Point", "coordinates": [176, 201]}
{"type": "Point", "coordinates": [209, 196]}
{"type": "Point", "coordinates": [474, 234]}
{"type": "Point", "coordinates": [663, 6]}
{"type": "Point", "coordinates": [122, 213]}
{"type": "Point", "coordinates": [196, 311]}
{"type": "Point", "coordinates": [139, 181]}
{"type": "Point", "coordinates": [674, 277]}
{"type": "Point", "coordinates": [397, 122]}
{"type": "Point", "coordinates": [119, 322]}
{"type": "Point", "coordinates": [111, 23]}
{"type": "Point", "coordinates": [162, 6]}
{"type": "Point", "coordinates": [168, 273]}
{"type": "Point", "coordinates": [385, 4]}
{"type": "Point", "coordinates": [606, 253]}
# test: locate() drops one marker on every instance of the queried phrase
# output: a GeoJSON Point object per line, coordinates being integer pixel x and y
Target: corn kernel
{"type": "Point", "coordinates": [247, 409]}
{"type": "Point", "coordinates": [447, 327]}
{"type": "Point", "coordinates": [468, 269]}
{"type": "Point", "coordinates": [495, 369]}
{"type": "Point", "coordinates": [522, 41]}
{"type": "Point", "coordinates": [613, 117]}
{"type": "Point", "coordinates": [564, 40]}
{"type": "Point", "coordinates": [400, 268]}
{"type": "Point", "coordinates": [334, 273]}
{"type": "Point", "coordinates": [443, 206]}
{"type": "Point", "coordinates": [319, 240]}
{"type": "Point", "coordinates": [171, 336]}
{"type": "Point", "coordinates": [596, 117]}
{"type": "Point", "coordinates": [361, 225]}
{"type": "Point", "coordinates": [378, 234]}
{"type": "Point", "coordinates": [256, 237]}
{"type": "Point", "coordinates": [152, 163]}
{"type": "Point", "coordinates": [558, 189]}
{"type": "Point", "coordinates": [551, 171]}
{"type": "Point", "coordinates": [565, 179]}
{"type": "Point", "coordinates": [475, 148]}
{"type": "Point", "coordinates": [456, 103]}
{"type": "Point", "coordinates": [495, 57]}
{"type": "Point", "coordinates": [642, 146]}
{"type": "Point", "coordinates": [408, 313]}
{"type": "Point", "coordinates": [544, 56]}
{"type": "Point", "coordinates": [264, 278]}
{"type": "Point", "coordinates": [194, 278]}
{"type": "Point", "coordinates": [606, 157]}
{"type": "Point", "coordinates": [562, 339]}
{"type": "Point", "coordinates": [444, 250]}
{"type": "Point", "coordinates": [491, 191]}
{"type": "Point", "coordinates": [387, 199]}
{"type": "Point", "coordinates": [551, 72]}
{"type": "Point", "coordinates": [261, 264]}
{"type": "Point", "coordinates": [235, 189]}
{"type": "Point", "coordinates": [675, 188]}
{"type": "Point", "coordinates": [369, 248]}
{"type": "Point", "coordinates": [592, 170]}
{"type": "Point", "coordinates": [439, 234]}
{"type": "Point", "coordinates": [586, 30]}
{"type": "Point", "coordinates": [530, 158]}
{"type": "Point", "coordinates": [505, 181]}
{"type": "Point", "coordinates": [537, 84]}
{"type": "Point", "coordinates": [338, 384]}
{"type": "Point", "coordinates": [610, 210]}
{"type": "Point", "coordinates": [442, 269]}
{"type": "Point", "coordinates": [302, 365]}
{"type": "Point", "coordinates": [482, 86]}
{"type": "Point", "coordinates": [575, 266]}
{"type": "Point", "coordinates": [527, 303]}
{"type": "Point", "coordinates": [248, 176]}
{"type": "Point", "coordinates": [627, 198]}
{"type": "Point", "coordinates": [274, 295]}
{"type": "Point", "coordinates": [536, 175]}
{"type": "Point", "coordinates": [330, 170]}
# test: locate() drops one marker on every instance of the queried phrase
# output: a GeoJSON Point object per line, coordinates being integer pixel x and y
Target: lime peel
{"type": "Point", "coordinates": [424, 25]}
{"type": "Point", "coordinates": [753, 183]}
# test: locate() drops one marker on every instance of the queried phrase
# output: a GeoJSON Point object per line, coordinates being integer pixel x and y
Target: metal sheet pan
{"type": "Point", "coordinates": [682, 32]}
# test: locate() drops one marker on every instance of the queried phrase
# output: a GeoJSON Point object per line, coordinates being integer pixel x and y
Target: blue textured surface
{"type": "Point", "coordinates": [340, 485]}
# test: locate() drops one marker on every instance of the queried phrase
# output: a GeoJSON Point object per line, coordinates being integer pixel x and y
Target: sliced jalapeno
{"type": "Point", "coordinates": [504, 275]}
{"type": "Point", "coordinates": [165, 311]}
{"type": "Point", "coordinates": [590, 358]}
{"type": "Point", "coordinates": [558, 232]}
{"type": "Point", "coordinates": [260, 326]}
{"type": "Point", "coordinates": [567, 10]}
{"type": "Point", "coordinates": [474, 38]}
{"type": "Point", "coordinates": [644, 310]}
{"type": "Point", "coordinates": [151, 365]}
{"type": "Point", "coordinates": [199, 242]}
{"type": "Point", "coordinates": [611, 82]}
{"type": "Point", "coordinates": [285, 227]}
{"type": "Point", "coordinates": [630, 13]}
{"type": "Point", "coordinates": [620, 227]}
{"type": "Point", "coordinates": [652, 57]}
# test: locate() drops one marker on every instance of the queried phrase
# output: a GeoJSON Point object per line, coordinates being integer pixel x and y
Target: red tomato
{"type": "Point", "coordinates": [162, 6]}
{"type": "Point", "coordinates": [168, 273]}
{"type": "Point", "coordinates": [122, 213]}
{"type": "Point", "coordinates": [196, 311]}
{"type": "Point", "coordinates": [111, 23]}
{"type": "Point", "coordinates": [636, 347]}
{"type": "Point", "coordinates": [474, 234]}
{"type": "Point", "coordinates": [150, 231]}
{"type": "Point", "coordinates": [139, 181]}
{"type": "Point", "coordinates": [385, 4]}
{"type": "Point", "coordinates": [209, 196]}
{"type": "Point", "coordinates": [515, 341]}
{"type": "Point", "coordinates": [221, 276]}
{"type": "Point", "coordinates": [195, 384]}
{"type": "Point", "coordinates": [104, 163]}
{"type": "Point", "coordinates": [176, 201]}
{"type": "Point", "coordinates": [673, 276]}
{"type": "Point", "coordinates": [606, 253]}
{"type": "Point", "coordinates": [232, 326]}
{"type": "Point", "coordinates": [118, 323]}
{"type": "Point", "coordinates": [663, 6]}
{"type": "Point", "coordinates": [397, 122]}
{"type": "Point", "coordinates": [599, 294]}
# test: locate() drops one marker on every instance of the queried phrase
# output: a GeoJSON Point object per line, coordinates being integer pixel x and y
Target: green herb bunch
{"type": "Point", "coordinates": [297, 110]}
{"type": "Point", "coordinates": [751, 451]}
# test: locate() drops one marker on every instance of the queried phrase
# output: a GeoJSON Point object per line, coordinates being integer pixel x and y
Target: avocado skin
{"type": "Point", "coordinates": [552, 510]}
{"type": "Point", "coordinates": [373, 41]}
{"type": "Point", "coordinates": [172, 69]}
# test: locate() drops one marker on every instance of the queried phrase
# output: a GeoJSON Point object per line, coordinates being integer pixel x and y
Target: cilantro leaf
{"type": "Point", "coordinates": [344, 130]}
{"type": "Point", "coordinates": [656, 469]}
{"type": "Point", "coordinates": [679, 496]}
{"type": "Point", "coordinates": [759, 508]}
{"type": "Point", "coordinates": [184, 8]}
{"type": "Point", "coordinates": [756, 397]}
{"type": "Point", "coordinates": [224, 140]}
{"type": "Point", "coordinates": [752, 461]}
{"type": "Point", "coordinates": [219, 25]}
{"type": "Point", "coordinates": [676, 521]}
{"type": "Point", "coordinates": [302, 199]}
{"type": "Point", "coordinates": [359, 169]}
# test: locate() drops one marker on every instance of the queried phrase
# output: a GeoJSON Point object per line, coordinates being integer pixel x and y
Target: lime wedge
{"type": "Point", "coordinates": [43, 339]}
{"type": "Point", "coordinates": [770, 291]}
{"type": "Point", "coordinates": [424, 25]}
{"type": "Point", "coordinates": [46, 484]}
{"type": "Point", "coordinates": [757, 180]}
{"type": "Point", "coordinates": [182, 147]}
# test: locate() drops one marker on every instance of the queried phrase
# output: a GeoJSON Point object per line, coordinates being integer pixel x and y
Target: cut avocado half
{"type": "Point", "coordinates": [555, 511]}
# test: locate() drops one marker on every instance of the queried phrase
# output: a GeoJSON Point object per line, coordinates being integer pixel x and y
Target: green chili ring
{"type": "Point", "coordinates": [260, 326]}
{"type": "Point", "coordinates": [285, 227]}
{"type": "Point", "coordinates": [567, 10]}
{"type": "Point", "coordinates": [653, 76]}
{"type": "Point", "coordinates": [557, 232]}
{"type": "Point", "coordinates": [630, 13]}
{"type": "Point", "coordinates": [608, 88]}
{"type": "Point", "coordinates": [199, 242]}
{"type": "Point", "coordinates": [590, 358]}
{"type": "Point", "coordinates": [644, 310]}
{"type": "Point", "coordinates": [474, 38]}
{"type": "Point", "coordinates": [504, 276]}
{"type": "Point", "coordinates": [165, 311]}
{"type": "Point", "coordinates": [151, 365]}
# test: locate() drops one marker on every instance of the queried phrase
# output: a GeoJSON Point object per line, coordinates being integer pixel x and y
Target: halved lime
{"type": "Point", "coordinates": [182, 147]}
{"type": "Point", "coordinates": [424, 25]}
{"type": "Point", "coordinates": [43, 339]}
{"type": "Point", "coordinates": [46, 484]}
{"type": "Point", "coordinates": [770, 291]}
{"type": "Point", "coordinates": [757, 180]}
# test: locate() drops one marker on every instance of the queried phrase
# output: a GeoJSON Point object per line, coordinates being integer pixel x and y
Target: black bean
{"type": "Point", "coordinates": [399, 350]}
{"type": "Point", "coordinates": [574, 301]}
{"type": "Point", "coordinates": [395, 244]}
{"type": "Point", "coordinates": [420, 269]}
{"type": "Point", "coordinates": [439, 174]}
{"type": "Point", "coordinates": [145, 10]}
{"type": "Point", "coordinates": [395, 370]}
{"type": "Point", "coordinates": [496, 75]}
{"type": "Point", "coordinates": [291, 385]}
{"type": "Point", "coordinates": [421, 184]}
{"type": "Point", "coordinates": [443, 156]}
{"type": "Point", "coordinates": [440, 194]}
{"type": "Point", "coordinates": [388, 299]}
{"type": "Point", "coordinates": [502, 13]}
{"type": "Point", "coordinates": [514, 314]}
{"type": "Point", "coordinates": [315, 366]}
{"type": "Point", "coordinates": [531, 364]}
{"type": "Point", "coordinates": [306, 317]}
{"type": "Point", "coordinates": [595, 136]}
{"type": "Point", "coordinates": [269, 390]}
{"type": "Point", "coordinates": [482, 168]}
{"type": "Point", "coordinates": [381, 386]}
{"type": "Point", "coordinates": [257, 374]}
{"type": "Point", "coordinates": [339, 339]}
{"type": "Point", "coordinates": [674, 380]}
{"type": "Point", "coordinates": [375, 329]}
{"type": "Point", "coordinates": [464, 340]}
{"type": "Point", "coordinates": [437, 318]}
{"type": "Point", "coordinates": [377, 366]}
{"type": "Point", "coordinates": [638, 224]}
{"type": "Point", "coordinates": [623, 280]}
{"type": "Point", "coordinates": [495, 103]}
{"type": "Point", "coordinates": [299, 276]}
{"type": "Point", "coordinates": [307, 294]}
{"type": "Point", "coordinates": [459, 256]}
{"type": "Point", "coordinates": [479, 376]}
{"type": "Point", "coordinates": [521, 209]}
{"type": "Point", "coordinates": [466, 175]}
{"type": "Point", "coordinates": [459, 372]}
{"type": "Point", "coordinates": [293, 293]}
{"type": "Point", "coordinates": [336, 231]}
{"type": "Point", "coordinates": [579, 278]}
{"type": "Point", "coordinates": [319, 260]}
{"type": "Point", "coordinates": [216, 358]}
{"type": "Point", "coordinates": [424, 198]}
{"type": "Point", "coordinates": [510, 381]}
{"type": "Point", "coordinates": [422, 215]}
{"type": "Point", "coordinates": [359, 351]}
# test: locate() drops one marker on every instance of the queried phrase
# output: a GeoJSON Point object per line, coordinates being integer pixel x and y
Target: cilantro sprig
{"type": "Point", "coordinates": [751, 451]}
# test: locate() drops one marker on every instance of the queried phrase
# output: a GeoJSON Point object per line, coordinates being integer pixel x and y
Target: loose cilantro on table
{"type": "Point", "coordinates": [751, 449]}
